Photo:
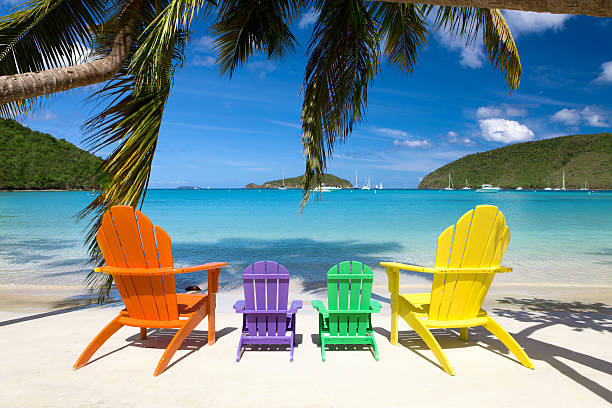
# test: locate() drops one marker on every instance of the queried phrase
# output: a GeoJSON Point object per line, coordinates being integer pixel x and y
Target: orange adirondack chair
{"type": "Point", "coordinates": [139, 257]}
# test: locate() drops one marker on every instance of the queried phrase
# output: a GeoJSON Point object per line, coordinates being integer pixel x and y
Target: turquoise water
{"type": "Point", "coordinates": [557, 237]}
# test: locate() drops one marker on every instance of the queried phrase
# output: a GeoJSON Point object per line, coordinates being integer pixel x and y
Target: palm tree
{"type": "Point", "coordinates": [138, 45]}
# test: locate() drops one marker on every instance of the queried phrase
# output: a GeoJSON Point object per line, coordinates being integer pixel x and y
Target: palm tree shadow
{"type": "Point", "coordinates": [543, 313]}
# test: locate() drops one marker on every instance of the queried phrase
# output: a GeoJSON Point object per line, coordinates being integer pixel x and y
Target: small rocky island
{"type": "Point", "coordinates": [329, 180]}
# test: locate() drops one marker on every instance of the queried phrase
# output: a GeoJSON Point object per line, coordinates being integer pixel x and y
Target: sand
{"type": "Point", "coordinates": [565, 330]}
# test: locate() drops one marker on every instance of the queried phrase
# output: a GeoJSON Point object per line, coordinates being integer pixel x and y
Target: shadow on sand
{"type": "Point", "coordinates": [160, 339]}
{"type": "Point", "coordinates": [541, 313]}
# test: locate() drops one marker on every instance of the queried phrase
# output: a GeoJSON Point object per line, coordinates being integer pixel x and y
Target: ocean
{"type": "Point", "coordinates": [557, 237]}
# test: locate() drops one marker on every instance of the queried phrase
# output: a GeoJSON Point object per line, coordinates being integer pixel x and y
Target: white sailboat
{"type": "Point", "coordinates": [283, 187]}
{"type": "Point", "coordinates": [467, 186]}
{"type": "Point", "coordinates": [487, 188]}
{"type": "Point", "coordinates": [563, 188]}
{"type": "Point", "coordinates": [450, 183]}
{"type": "Point", "coordinates": [548, 188]}
{"type": "Point", "coordinates": [366, 187]}
{"type": "Point", "coordinates": [583, 188]}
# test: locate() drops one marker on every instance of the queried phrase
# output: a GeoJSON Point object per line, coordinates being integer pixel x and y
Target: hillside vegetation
{"type": "Point", "coordinates": [296, 182]}
{"type": "Point", "coordinates": [534, 164]}
{"type": "Point", "coordinates": [34, 161]}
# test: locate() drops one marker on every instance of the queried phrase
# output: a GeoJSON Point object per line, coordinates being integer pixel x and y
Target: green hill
{"type": "Point", "coordinates": [32, 160]}
{"type": "Point", "coordinates": [534, 164]}
{"type": "Point", "coordinates": [296, 182]}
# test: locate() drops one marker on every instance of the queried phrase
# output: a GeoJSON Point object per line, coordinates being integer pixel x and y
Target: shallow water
{"type": "Point", "coordinates": [557, 237]}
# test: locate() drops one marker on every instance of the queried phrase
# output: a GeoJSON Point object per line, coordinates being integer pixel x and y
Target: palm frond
{"type": "Point", "coordinates": [344, 57]}
{"type": "Point", "coordinates": [158, 39]}
{"type": "Point", "coordinates": [244, 27]}
{"type": "Point", "coordinates": [497, 38]}
{"type": "Point", "coordinates": [31, 39]}
{"type": "Point", "coordinates": [404, 29]}
{"type": "Point", "coordinates": [131, 121]}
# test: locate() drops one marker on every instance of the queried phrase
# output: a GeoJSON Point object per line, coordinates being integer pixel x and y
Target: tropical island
{"type": "Point", "coordinates": [535, 165]}
{"type": "Point", "coordinates": [31, 160]}
{"type": "Point", "coordinates": [328, 180]}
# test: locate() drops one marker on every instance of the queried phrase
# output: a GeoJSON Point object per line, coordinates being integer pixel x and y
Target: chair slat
{"type": "Point", "coordinates": [462, 229]}
{"type": "Point", "coordinates": [343, 295]}
{"type": "Point", "coordinates": [260, 296]}
{"type": "Point", "coordinates": [364, 302]}
{"type": "Point", "coordinates": [445, 242]}
{"type": "Point", "coordinates": [164, 252]}
{"type": "Point", "coordinates": [332, 300]}
{"type": "Point", "coordinates": [149, 245]}
{"type": "Point", "coordinates": [355, 295]}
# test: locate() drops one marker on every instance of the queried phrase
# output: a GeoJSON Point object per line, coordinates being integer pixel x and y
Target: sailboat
{"type": "Point", "coordinates": [283, 187]}
{"type": "Point", "coordinates": [379, 186]}
{"type": "Point", "coordinates": [467, 186]}
{"type": "Point", "coordinates": [366, 187]}
{"type": "Point", "coordinates": [548, 188]}
{"type": "Point", "coordinates": [450, 183]}
{"type": "Point", "coordinates": [583, 188]}
{"type": "Point", "coordinates": [563, 188]}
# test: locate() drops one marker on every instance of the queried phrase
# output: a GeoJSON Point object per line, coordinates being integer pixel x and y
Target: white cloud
{"type": "Point", "coordinates": [527, 22]}
{"type": "Point", "coordinates": [412, 144]}
{"type": "Point", "coordinates": [500, 111]}
{"type": "Point", "coordinates": [606, 73]}
{"type": "Point", "coordinates": [204, 60]}
{"type": "Point", "coordinates": [454, 137]}
{"type": "Point", "coordinates": [261, 68]}
{"type": "Point", "coordinates": [567, 116]}
{"type": "Point", "coordinates": [308, 19]}
{"type": "Point", "coordinates": [594, 117]}
{"type": "Point", "coordinates": [591, 115]}
{"type": "Point", "coordinates": [286, 124]}
{"type": "Point", "coordinates": [44, 114]}
{"type": "Point", "coordinates": [504, 131]}
{"type": "Point", "coordinates": [392, 133]}
{"type": "Point", "coordinates": [471, 56]}
{"type": "Point", "coordinates": [204, 44]}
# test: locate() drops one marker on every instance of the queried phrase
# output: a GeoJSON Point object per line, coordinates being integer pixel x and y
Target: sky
{"type": "Point", "coordinates": [222, 132]}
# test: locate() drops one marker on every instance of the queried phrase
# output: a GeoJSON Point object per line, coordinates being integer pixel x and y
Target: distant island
{"type": "Point", "coordinates": [534, 165]}
{"type": "Point", "coordinates": [296, 182]}
{"type": "Point", "coordinates": [188, 188]}
{"type": "Point", "coordinates": [32, 160]}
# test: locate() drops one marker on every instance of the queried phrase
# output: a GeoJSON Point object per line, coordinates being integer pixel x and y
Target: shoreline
{"type": "Point", "coordinates": [24, 299]}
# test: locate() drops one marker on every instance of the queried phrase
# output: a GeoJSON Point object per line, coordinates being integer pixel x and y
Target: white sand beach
{"type": "Point", "coordinates": [565, 332]}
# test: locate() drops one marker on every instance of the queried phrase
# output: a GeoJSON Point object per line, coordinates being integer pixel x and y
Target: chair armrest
{"type": "Point", "coordinates": [239, 306]}
{"type": "Point", "coordinates": [116, 270]}
{"type": "Point", "coordinates": [295, 305]}
{"type": "Point", "coordinates": [414, 268]}
{"type": "Point", "coordinates": [406, 267]}
{"type": "Point", "coordinates": [317, 304]}
{"type": "Point", "coordinates": [375, 306]}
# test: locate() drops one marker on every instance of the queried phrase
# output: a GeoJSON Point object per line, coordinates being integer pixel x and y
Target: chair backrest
{"type": "Point", "coordinates": [266, 293]}
{"type": "Point", "coordinates": [128, 239]}
{"type": "Point", "coordinates": [349, 288]}
{"type": "Point", "coordinates": [479, 239]}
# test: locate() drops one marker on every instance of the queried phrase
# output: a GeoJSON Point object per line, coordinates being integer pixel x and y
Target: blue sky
{"type": "Point", "coordinates": [219, 132]}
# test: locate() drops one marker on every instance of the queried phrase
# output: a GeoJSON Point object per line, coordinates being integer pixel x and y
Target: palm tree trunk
{"type": "Point", "coordinates": [597, 8]}
{"type": "Point", "coordinates": [33, 84]}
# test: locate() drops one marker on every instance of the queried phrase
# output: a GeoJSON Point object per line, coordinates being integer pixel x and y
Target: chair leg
{"type": "Point", "coordinates": [239, 349]}
{"type": "Point", "coordinates": [177, 340]}
{"type": "Point", "coordinates": [322, 341]}
{"type": "Point", "coordinates": [291, 350]}
{"type": "Point", "coordinates": [97, 342]}
{"type": "Point", "coordinates": [430, 340]}
{"type": "Point", "coordinates": [509, 342]}
{"type": "Point", "coordinates": [393, 338]}
{"type": "Point", "coordinates": [212, 304]}
{"type": "Point", "coordinates": [463, 333]}
{"type": "Point", "coordinates": [143, 333]}
{"type": "Point", "coordinates": [375, 347]}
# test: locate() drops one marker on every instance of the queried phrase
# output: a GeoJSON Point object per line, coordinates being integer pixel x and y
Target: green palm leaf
{"type": "Point", "coordinates": [404, 29]}
{"type": "Point", "coordinates": [344, 57]}
{"type": "Point", "coordinates": [244, 27]}
{"type": "Point", "coordinates": [131, 121]}
{"type": "Point", "coordinates": [497, 38]}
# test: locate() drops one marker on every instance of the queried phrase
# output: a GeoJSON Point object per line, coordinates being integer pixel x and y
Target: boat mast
{"type": "Point", "coordinates": [563, 181]}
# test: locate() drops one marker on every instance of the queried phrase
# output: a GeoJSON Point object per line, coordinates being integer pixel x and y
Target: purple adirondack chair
{"type": "Point", "coordinates": [265, 317]}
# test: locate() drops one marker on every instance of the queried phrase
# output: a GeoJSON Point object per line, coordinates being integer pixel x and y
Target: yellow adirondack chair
{"type": "Point", "coordinates": [467, 258]}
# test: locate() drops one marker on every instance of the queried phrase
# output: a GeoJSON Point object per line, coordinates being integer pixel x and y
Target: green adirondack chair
{"type": "Point", "coordinates": [349, 318]}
